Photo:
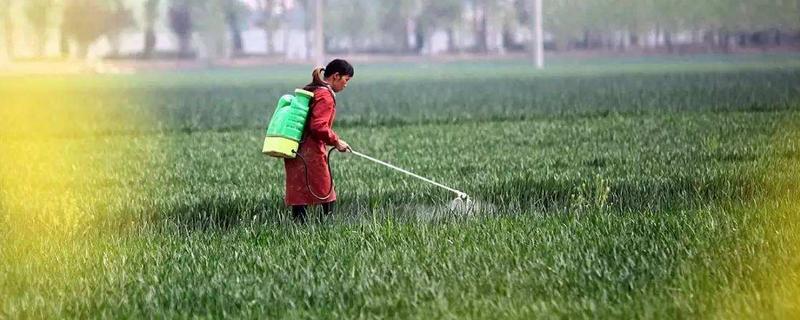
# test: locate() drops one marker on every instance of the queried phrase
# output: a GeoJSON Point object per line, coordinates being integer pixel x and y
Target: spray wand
{"type": "Point", "coordinates": [461, 195]}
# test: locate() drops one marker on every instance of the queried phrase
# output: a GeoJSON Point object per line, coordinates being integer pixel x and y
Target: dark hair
{"type": "Point", "coordinates": [339, 66]}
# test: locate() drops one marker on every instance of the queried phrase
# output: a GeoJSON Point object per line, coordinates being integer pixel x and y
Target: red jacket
{"type": "Point", "coordinates": [317, 135]}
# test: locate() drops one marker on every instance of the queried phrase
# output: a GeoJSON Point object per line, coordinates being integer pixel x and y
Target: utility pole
{"type": "Point", "coordinates": [319, 37]}
{"type": "Point", "coordinates": [538, 41]}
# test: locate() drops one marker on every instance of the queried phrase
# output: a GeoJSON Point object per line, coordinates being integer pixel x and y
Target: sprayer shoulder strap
{"type": "Point", "coordinates": [311, 106]}
{"type": "Point", "coordinates": [314, 88]}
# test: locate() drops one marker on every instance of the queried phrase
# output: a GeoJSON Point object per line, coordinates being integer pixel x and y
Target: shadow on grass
{"type": "Point", "coordinates": [221, 212]}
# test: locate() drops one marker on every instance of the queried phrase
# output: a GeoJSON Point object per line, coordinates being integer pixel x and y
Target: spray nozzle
{"type": "Point", "coordinates": [461, 203]}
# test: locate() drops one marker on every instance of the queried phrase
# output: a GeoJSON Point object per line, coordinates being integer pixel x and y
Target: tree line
{"type": "Point", "coordinates": [406, 26]}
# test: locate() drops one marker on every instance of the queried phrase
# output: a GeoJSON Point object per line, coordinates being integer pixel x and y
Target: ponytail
{"type": "Point", "coordinates": [316, 79]}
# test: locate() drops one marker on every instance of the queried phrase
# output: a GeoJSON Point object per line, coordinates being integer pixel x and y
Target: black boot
{"type": "Point", "coordinates": [299, 214]}
{"type": "Point", "coordinates": [327, 208]}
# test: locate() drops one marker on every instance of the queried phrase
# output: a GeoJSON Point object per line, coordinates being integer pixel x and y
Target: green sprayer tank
{"type": "Point", "coordinates": [287, 123]}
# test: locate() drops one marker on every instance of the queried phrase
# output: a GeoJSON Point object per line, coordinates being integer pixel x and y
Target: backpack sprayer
{"type": "Point", "coordinates": [285, 131]}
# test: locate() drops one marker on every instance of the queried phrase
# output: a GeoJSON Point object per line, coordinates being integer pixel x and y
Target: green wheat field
{"type": "Point", "coordinates": [656, 187]}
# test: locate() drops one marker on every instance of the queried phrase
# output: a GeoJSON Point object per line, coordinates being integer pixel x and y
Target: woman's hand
{"type": "Point", "coordinates": [342, 146]}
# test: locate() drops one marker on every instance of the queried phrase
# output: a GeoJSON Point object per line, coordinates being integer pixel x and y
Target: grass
{"type": "Point", "coordinates": [642, 192]}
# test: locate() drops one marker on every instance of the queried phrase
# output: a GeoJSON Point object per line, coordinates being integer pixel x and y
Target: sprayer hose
{"type": "Point", "coordinates": [330, 174]}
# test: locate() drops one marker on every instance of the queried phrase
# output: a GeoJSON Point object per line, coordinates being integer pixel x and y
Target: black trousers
{"type": "Point", "coordinates": [299, 212]}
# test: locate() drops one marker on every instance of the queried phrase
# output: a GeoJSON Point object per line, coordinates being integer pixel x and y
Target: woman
{"type": "Point", "coordinates": [317, 135]}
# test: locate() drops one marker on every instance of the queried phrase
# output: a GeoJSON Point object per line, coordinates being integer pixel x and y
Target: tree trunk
{"type": "Point", "coordinates": [623, 41]}
{"type": "Point", "coordinates": [481, 24]}
{"type": "Point", "coordinates": [406, 35]}
{"type": "Point", "coordinates": [724, 41]}
{"type": "Point", "coordinates": [63, 42]}
{"type": "Point", "coordinates": [742, 39]}
{"type": "Point", "coordinates": [507, 38]}
{"type": "Point", "coordinates": [180, 20]}
{"type": "Point", "coordinates": [8, 32]}
{"type": "Point", "coordinates": [267, 7]}
{"type": "Point", "coordinates": [236, 34]}
{"type": "Point", "coordinates": [633, 39]}
{"type": "Point", "coordinates": [149, 42]}
{"type": "Point", "coordinates": [708, 40]}
{"type": "Point", "coordinates": [419, 37]}
{"type": "Point", "coordinates": [668, 41]}
{"type": "Point", "coordinates": [268, 41]}
{"type": "Point", "coordinates": [586, 39]}
{"type": "Point", "coordinates": [451, 41]}
{"type": "Point", "coordinates": [184, 46]}
{"type": "Point", "coordinates": [151, 14]}
{"type": "Point", "coordinates": [238, 44]}
{"type": "Point", "coordinates": [657, 39]}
